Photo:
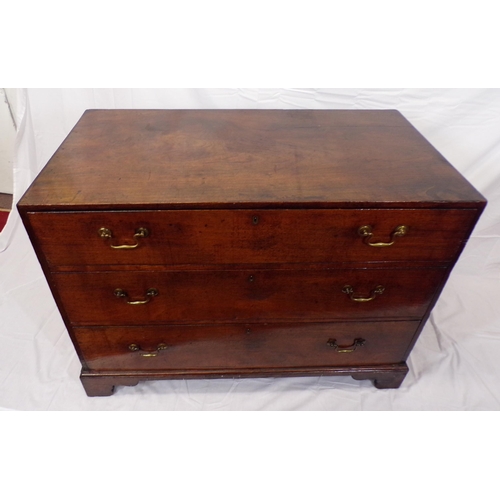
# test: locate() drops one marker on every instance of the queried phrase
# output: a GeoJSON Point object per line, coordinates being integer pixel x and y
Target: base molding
{"type": "Point", "coordinates": [383, 376]}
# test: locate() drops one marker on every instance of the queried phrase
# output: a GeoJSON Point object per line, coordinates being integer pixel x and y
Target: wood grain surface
{"type": "Point", "coordinates": [257, 158]}
{"type": "Point", "coordinates": [241, 296]}
{"type": "Point", "coordinates": [244, 345]}
{"type": "Point", "coordinates": [222, 237]}
{"type": "Point", "coordinates": [245, 224]}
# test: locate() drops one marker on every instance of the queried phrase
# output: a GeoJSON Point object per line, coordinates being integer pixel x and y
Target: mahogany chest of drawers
{"type": "Point", "coordinates": [246, 243]}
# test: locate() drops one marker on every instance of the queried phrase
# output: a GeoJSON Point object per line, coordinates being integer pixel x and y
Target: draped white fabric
{"type": "Point", "coordinates": [454, 365]}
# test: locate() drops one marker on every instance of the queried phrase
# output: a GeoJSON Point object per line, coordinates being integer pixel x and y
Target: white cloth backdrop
{"type": "Point", "coordinates": [456, 362]}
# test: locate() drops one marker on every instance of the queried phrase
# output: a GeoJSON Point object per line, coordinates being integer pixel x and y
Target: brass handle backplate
{"type": "Point", "coordinates": [150, 293]}
{"type": "Point", "coordinates": [147, 354]}
{"type": "Point", "coordinates": [366, 232]}
{"type": "Point", "coordinates": [348, 348]}
{"type": "Point", "coordinates": [378, 290]}
{"type": "Point", "coordinates": [105, 233]}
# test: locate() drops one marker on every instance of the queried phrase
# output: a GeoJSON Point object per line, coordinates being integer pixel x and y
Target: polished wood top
{"type": "Point", "coordinates": [242, 158]}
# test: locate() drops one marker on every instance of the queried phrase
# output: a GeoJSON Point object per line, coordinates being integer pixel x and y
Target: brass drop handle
{"type": "Point", "coordinates": [378, 290]}
{"type": "Point", "coordinates": [150, 293]}
{"type": "Point", "coordinates": [148, 354]}
{"type": "Point", "coordinates": [348, 348]}
{"type": "Point", "coordinates": [142, 232]}
{"type": "Point", "coordinates": [367, 232]}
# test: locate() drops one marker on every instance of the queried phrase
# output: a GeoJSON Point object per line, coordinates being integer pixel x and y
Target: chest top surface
{"type": "Point", "coordinates": [241, 158]}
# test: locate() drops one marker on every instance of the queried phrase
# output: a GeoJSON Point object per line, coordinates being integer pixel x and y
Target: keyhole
{"type": "Point", "coordinates": [255, 219]}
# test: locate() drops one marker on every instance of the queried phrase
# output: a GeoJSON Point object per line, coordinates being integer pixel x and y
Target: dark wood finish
{"type": "Point", "coordinates": [241, 296]}
{"type": "Point", "coordinates": [244, 345]}
{"type": "Point", "coordinates": [388, 376]}
{"type": "Point", "coordinates": [252, 221]}
{"type": "Point", "coordinates": [101, 386]}
{"type": "Point", "coordinates": [235, 236]}
{"type": "Point", "coordinates": [258, 158]}
{"type": "Point", "coordinates": [391, 378]}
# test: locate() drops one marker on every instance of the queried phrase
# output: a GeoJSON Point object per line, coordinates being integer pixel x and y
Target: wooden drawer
{"type": "Point", "coordinates": [236, 296]}
{"type": "Point", "coordinates": [176, 237]}
{"type": "Point", "coordinates": [245, 346]}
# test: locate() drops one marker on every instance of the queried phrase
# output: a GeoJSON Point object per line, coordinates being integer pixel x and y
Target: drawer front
{"type": "Point", "coordinates": [136, 298]}
{"type": "Point", "coordinates": [179, 237]}
{"type": "Point", "coordinates": [245, 346]}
